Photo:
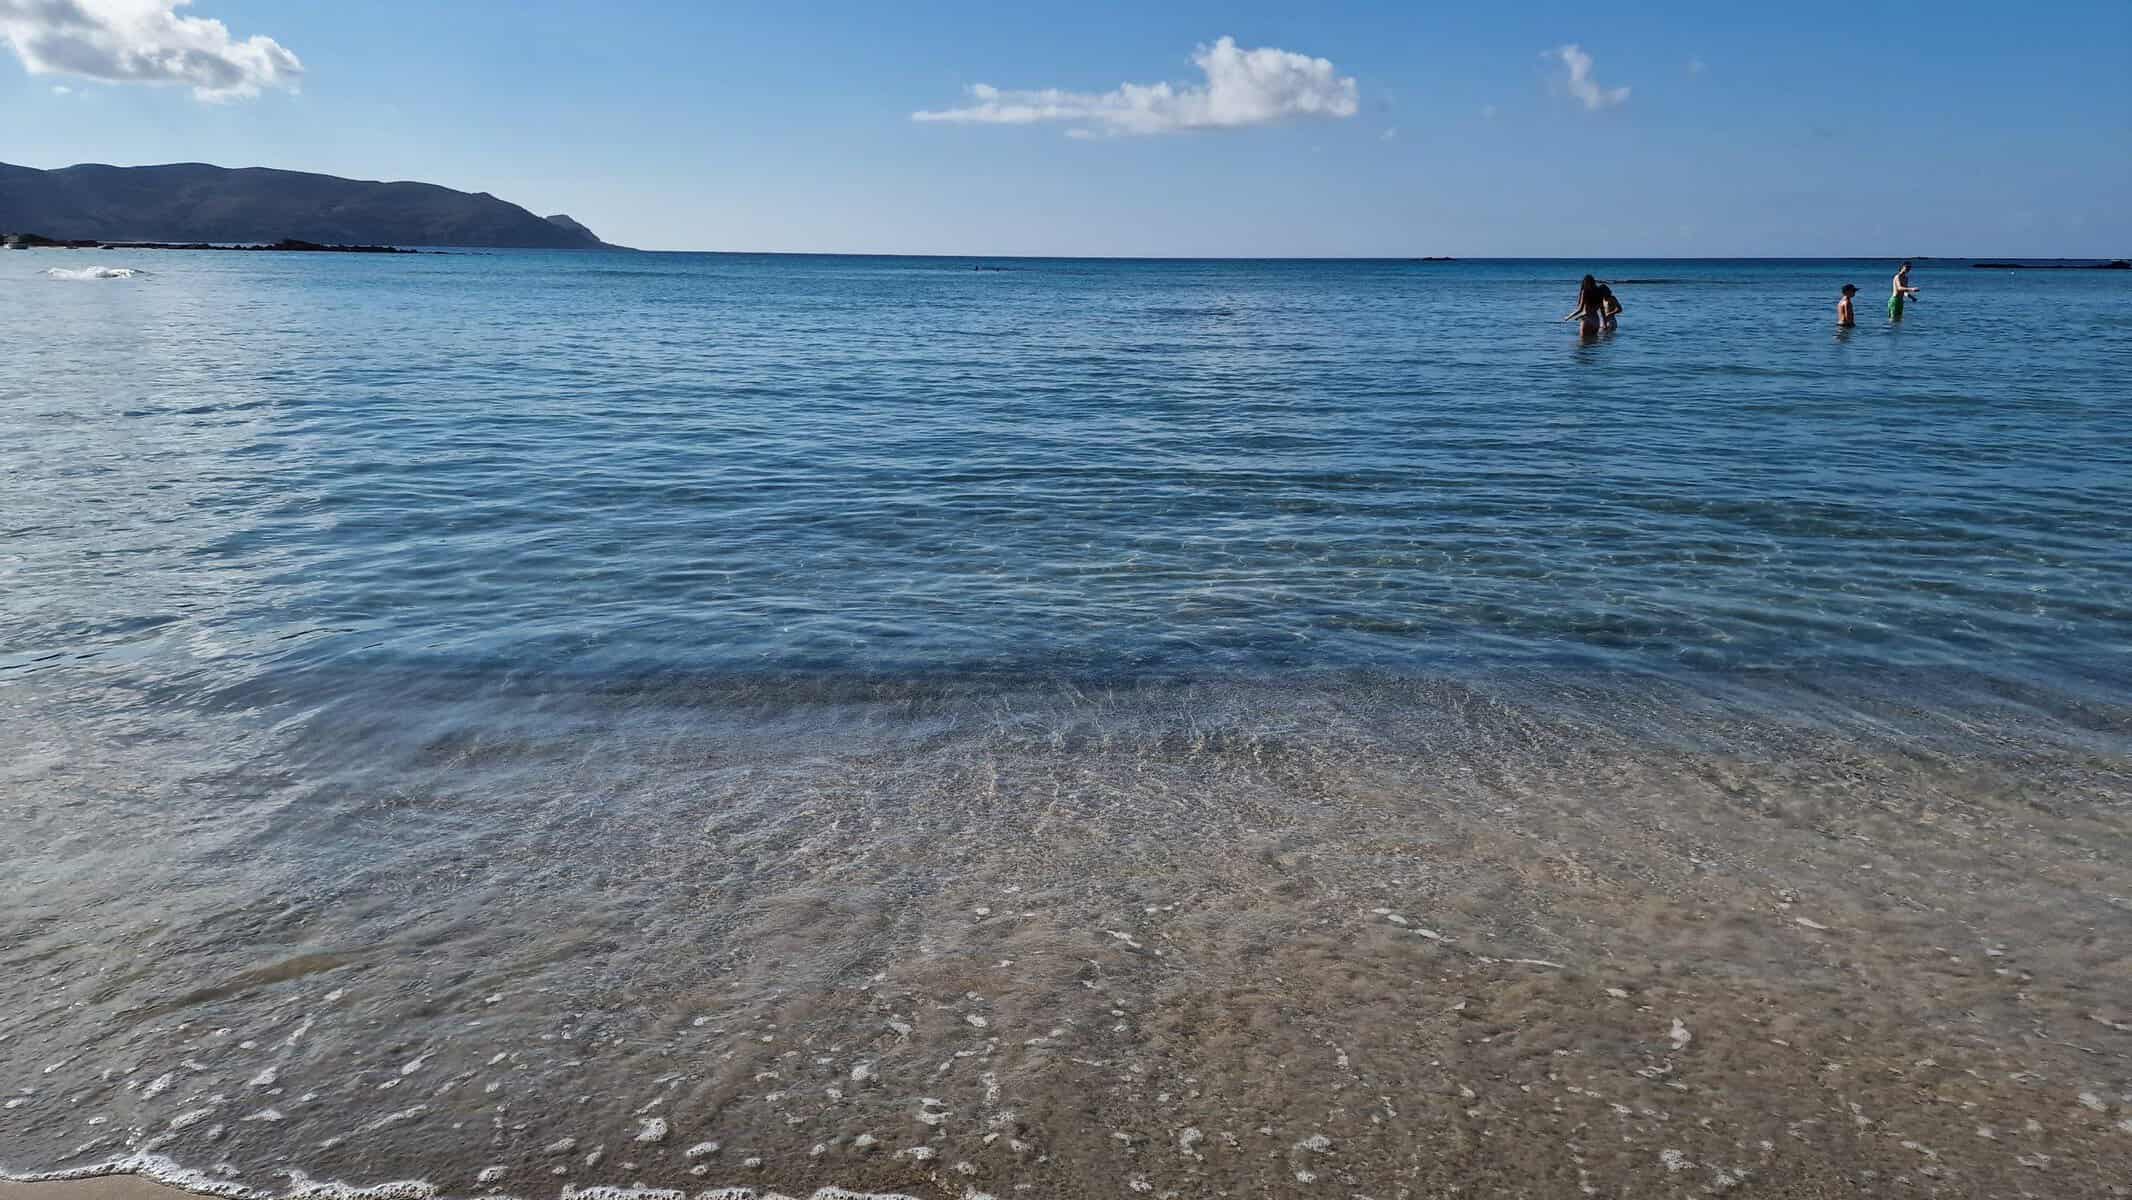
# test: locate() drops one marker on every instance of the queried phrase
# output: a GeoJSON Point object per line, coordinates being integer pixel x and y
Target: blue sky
{"type": "Point", "coordinates": [1872, 128]}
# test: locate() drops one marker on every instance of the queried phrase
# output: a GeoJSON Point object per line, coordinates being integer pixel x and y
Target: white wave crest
{"type": "Point", "coordinates": [302, 1187]}
{"type": "Point", "coordinates": [92, 272]}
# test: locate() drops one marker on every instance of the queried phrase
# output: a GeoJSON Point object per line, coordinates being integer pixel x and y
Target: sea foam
{"type": "Point", "coordinates": [92, 272]}
{"type": "Point", "coordinates": [301, 1186]}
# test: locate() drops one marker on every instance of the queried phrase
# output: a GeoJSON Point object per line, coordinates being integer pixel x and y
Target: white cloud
{"type": "Point", "coordinates": [144, 41]}
{"type": "Point", "coordinates": [1243, 88]}
{"type": "Point", "coordinates": [60, 89]}
{"type": "Point", "coordinates": [1580, 82]}
{"type": "Point", "coordinates": [1390, 135]}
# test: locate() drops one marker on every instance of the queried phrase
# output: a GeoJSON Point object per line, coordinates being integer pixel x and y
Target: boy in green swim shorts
{"type": "Point", "coordinates": [1902, 291]}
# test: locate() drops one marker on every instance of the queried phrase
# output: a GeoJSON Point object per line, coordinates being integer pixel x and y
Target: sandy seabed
{"type": "Point", "coordinates": [1510, 954]}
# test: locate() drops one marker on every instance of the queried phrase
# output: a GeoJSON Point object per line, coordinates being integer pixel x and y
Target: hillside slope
{"type": "Point", "coordinates": [195, 202]}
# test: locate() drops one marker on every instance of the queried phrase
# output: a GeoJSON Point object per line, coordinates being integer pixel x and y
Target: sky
{"type": "Point", "coordinates": [1955, 128]}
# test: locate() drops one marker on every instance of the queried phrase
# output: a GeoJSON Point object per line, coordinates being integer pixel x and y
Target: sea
{"type": "Point", "coordinates": [531, 723]}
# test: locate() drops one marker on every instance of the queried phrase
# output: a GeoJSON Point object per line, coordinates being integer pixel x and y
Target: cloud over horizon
{"type": "Point", "coordinates": [1580, 82]}
{"type": "Point", "coordinates": [1243, 88]}
{"type": "Point", "coordinates": [144, 41]}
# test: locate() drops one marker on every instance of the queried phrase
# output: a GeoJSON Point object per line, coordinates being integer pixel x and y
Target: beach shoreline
{"type": "Point", "coordinates": [120, 1183]}
{"type": "Point", "coordinates": [1418, 937]}
{"type": "Point", "coordinates": [102, 1187]}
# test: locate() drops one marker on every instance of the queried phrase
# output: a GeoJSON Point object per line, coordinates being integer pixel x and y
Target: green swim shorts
{"type": "Point", "coordinates": [1895, 307]}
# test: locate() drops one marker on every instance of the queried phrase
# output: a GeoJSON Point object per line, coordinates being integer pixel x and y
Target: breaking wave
{"type": "Point", "coordinates": [92, 272]}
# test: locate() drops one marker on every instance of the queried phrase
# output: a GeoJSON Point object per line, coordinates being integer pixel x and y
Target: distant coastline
{"type": "Point", "coordinates": [31, 241]}
{"type": "Point", "coordinates": [199, 204]}
{"type": "Point", "coordinates": [2117, 264]}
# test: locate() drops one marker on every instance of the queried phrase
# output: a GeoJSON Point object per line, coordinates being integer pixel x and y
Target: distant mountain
{"type": "Point", "coordinates": [566, 221]}
{"type": "Point", "coordinates": [195, 202]}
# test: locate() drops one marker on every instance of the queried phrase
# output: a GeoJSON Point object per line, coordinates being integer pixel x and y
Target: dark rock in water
{"type": "Point", "coordinates": [26, 240]}
{"type": "Point", "coordinates": [294, 244]}
{"type": "Point", "coordinates": [285, 244]}
{"type": "Point", "coordinates": [195, 203]}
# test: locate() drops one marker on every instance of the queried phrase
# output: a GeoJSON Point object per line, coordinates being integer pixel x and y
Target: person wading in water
{"type": "Point", "coordinates": [1902, 292]}
{"type": "Point", "coordinates": [1591, 308]}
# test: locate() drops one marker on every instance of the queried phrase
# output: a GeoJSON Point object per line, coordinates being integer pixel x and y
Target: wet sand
{"type": "Point", "coordinates": [108, 1187]}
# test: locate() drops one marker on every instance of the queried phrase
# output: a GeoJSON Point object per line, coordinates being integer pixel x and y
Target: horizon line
{"type": "Point", "coordinates": [1357, 258]}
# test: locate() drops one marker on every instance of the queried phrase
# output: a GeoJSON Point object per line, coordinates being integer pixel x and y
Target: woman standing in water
{"type": "Point", "coordinates": [1591, 307]}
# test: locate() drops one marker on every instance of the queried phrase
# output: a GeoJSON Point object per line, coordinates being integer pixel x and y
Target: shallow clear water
{"type": "Point", "coordinates": [585, 658]}
{"type": "Point", "coordinates": [601, 464]}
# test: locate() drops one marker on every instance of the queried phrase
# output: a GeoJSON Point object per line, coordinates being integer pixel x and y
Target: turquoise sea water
{"type": "Point", "coordinates": [596, 647]}
{"type": "Point", "coordinates": [601, 465]}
